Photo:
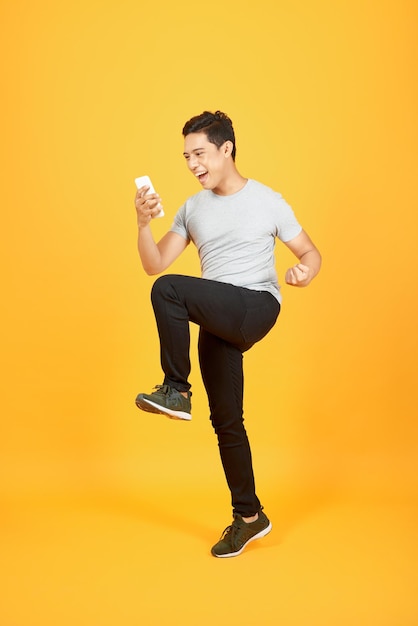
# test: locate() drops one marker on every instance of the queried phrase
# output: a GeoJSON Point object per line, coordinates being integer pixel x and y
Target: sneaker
{"type": "Point", "coordinates": [239, 534]}
{"type": "Point", "coordinates": [167, 401]}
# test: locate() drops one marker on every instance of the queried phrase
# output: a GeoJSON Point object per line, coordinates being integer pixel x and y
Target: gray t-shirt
{"type": "Point", "coordinates": [235, 235]}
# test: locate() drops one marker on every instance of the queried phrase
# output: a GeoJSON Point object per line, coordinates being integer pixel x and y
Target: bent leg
{"type": "Point", "coordinates": [178, 300]}
{"type": "Point", "coordinates": [237, 315]}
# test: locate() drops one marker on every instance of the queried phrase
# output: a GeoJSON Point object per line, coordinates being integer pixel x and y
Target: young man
{"type": "Point", "coordinates": [233, 222]}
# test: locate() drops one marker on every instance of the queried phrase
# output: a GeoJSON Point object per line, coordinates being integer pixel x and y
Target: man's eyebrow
{"type": "Point", "coordinates": [195, 150]}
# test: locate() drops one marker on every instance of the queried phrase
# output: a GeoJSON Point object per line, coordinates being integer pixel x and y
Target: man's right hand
{"type": "Point", "coordinates": [147, 206]}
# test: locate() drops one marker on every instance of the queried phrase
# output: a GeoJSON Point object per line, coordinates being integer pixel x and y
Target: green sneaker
{"type": "Point", "coordinates": [239, 534]}
{"type": "Point", "coordinates": [167, 401]}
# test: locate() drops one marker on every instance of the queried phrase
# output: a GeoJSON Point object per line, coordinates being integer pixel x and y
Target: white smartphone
{"type": "Point", "coordinates": [141, 181]}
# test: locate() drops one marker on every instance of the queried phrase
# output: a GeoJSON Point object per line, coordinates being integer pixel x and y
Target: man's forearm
{"type": "Point", "coordinates": [148, 251]}
{"type": "Point", "coordinates": [312, 259]}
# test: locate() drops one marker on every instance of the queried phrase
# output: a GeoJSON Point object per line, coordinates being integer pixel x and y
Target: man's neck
{"type": "Point", "coordinates": [231, 184]}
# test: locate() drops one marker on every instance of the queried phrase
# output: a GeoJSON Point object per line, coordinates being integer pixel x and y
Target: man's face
{"type": "Point", "coordinates": [207, 162]}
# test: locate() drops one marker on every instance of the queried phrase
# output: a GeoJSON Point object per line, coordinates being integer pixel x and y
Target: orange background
{"type": "Point", "coordinates": [109, 514]}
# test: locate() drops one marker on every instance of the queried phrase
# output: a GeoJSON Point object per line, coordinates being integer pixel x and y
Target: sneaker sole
{"type": "Point", "coordinates": [153, 407]}
{"type": "Point", "coordinates": [262, 533]}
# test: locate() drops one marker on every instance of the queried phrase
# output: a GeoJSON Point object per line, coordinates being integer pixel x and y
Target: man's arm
{"type": "Point", "coordinates": [155, 257]}
{"type": "Point", "coordinates": [301, 274]}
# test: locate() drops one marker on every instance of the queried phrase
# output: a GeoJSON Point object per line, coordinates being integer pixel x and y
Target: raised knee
{"type": "Point", "coordinates": [160, 282]}
{"type": "Point", "coordinates": [161, 285]}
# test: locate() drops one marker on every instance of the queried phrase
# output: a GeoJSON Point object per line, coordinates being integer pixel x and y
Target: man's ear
{"type": "Point", "coordinates": [227, 148]}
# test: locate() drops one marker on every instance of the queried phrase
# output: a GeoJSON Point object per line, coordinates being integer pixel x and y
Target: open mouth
{"type": "Point", "coordinates": [202, 177]}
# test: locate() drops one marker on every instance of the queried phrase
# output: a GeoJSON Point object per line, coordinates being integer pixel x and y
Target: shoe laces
{"type": "Point", "coordinates": [167, 390]}
{"type": "Point", "coordinates": [163, 388]}
{"type": "Point", "coordinates": [233, 533]}
{"type": "Point", "coordinates": [227, 531]}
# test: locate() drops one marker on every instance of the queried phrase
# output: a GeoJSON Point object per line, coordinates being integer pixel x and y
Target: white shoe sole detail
{"type": "Point", "coordinates": [177, 415]}
{"type": "Point", "coordinates": [262, 533]}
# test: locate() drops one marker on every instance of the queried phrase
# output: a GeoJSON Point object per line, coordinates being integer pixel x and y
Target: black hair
{"type": "Point", "coordinates": [216, 126]}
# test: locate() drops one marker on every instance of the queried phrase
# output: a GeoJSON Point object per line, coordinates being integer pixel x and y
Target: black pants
{"type": "Point", "coordinates": [231, 320]}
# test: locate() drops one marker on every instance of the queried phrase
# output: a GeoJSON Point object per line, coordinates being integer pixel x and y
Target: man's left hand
{"type": "Point", "coordinates": [298, 276]}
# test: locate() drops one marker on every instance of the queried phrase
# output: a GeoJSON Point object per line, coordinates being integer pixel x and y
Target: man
{"type": "Point", "coordinates": [233, 222]}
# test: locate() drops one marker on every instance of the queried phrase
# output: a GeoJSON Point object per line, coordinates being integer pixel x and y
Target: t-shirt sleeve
{"type": "Point", "coordinates": [179, 224]}
{"type": "Point", "coordinates": [288, 226]}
